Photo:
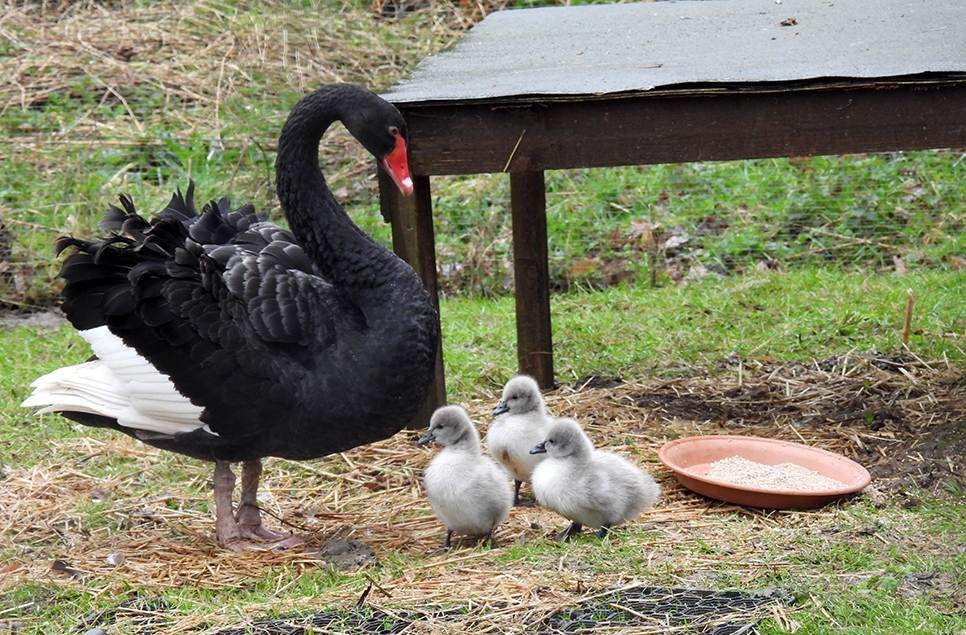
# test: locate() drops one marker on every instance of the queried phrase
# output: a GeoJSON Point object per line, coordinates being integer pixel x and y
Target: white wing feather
{"type": "Point", "coordinates": [121, 385]}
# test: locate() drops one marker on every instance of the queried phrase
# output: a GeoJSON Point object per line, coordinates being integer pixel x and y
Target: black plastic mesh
{"type": "Point", "coordinates": [649, 609]}
{"type": "Point", "coordinates": [684, 610]}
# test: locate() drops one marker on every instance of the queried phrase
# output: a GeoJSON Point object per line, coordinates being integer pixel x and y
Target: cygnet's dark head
{"type": "Point", "coordinates": [565, 439]}
{"type": "Point", "coordinates": [449, 425]}
{"type": "Point", "coordinates": [520, 396]}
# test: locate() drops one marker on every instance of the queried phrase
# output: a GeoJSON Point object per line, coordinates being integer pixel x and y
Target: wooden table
{"type": "Point", "coordinates": [591, 86]}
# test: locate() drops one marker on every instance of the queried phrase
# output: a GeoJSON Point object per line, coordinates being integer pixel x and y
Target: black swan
{"type": "Point", "coordinates": [227, 338]}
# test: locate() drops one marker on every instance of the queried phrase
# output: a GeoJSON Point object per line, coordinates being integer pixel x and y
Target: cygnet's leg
{"type": "Point", "coordinates": [603, 531]}
{"type": "Point", "coordinates": [516, 496]}
{"type": "Point", "coordinates": [490, 540]}
{"type": "Point", "coordinates": [446, 541]}
{"type": "Point", "coordinates": [572, 530]}
{"type": "Point", "coordinates": [249, 517]}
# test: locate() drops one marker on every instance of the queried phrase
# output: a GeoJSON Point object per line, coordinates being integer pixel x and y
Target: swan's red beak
{"type": "Point", "coordinates": [396, 166]}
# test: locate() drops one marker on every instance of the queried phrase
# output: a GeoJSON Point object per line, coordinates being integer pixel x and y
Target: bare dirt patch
{"type": "Point", "coordinates": [902, 418]}
{"type": "Point", "coordinates": [36, 319]}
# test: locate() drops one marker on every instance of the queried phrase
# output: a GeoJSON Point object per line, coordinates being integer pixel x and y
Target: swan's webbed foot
{"type": "Point", "coordinates": [565, 534]}
{"type": "Point", "coordinates": [447, 544]}
{"type": "Point", "coordinates": [241, 530]}
{"type": "Point", "coordinates": [249, 520]}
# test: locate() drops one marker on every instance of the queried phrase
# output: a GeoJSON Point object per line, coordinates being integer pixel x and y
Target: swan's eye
{"type": "Point", "coordinates": [394, 131]}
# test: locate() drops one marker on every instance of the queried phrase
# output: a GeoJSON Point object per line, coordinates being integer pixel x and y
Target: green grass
{"type": "Point", "coordinates": [88, 132]}
{"type": "Point", "coordinates": [657, 223]}
{"type": "Point", "coordinates": [203, 97]}
{"type": "Point", "coordinates": [803, 314]}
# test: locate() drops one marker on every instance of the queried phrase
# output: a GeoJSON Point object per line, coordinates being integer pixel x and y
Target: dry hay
{"type": "Point", "coordinates": [200, 53]}
{"type": "Point", "coordinates": [179, 66]}
{"type": "Point", "coordinates": [139, 84]}
{"type": "Point", "coordinates": [70, 522]}
{"type": "Point", "coordinates": [168, 47]}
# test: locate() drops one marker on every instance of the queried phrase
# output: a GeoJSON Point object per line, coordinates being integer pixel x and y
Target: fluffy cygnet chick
{"type": "Point", "coordinates": [589, 486]}
{"type": "Point", "coordinates": [523, 423]}
{"type": "Point", "coordinates": [469, 493]}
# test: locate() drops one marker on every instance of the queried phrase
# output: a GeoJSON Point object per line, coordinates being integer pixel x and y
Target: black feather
{"type": "Point", "coordinates": [297, 343]}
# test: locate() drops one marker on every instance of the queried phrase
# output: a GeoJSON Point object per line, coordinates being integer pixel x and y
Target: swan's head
{"type": "Point", "coordinates": [449, 425]}
{"type": "Point", "coordinates": [381, 129]}
{"type": "Point", "coordinates": [520, 395]}
{"type": "Point", "coordinates": [565, 438]}
{"type": "Point", "coordinates": [396, 163]}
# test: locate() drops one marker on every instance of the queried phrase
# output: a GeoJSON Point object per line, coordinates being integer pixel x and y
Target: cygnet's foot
{"type": "Point", "coordinates": [564, 535]}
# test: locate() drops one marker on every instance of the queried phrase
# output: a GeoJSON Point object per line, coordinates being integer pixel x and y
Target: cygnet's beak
{"type": "Point", "coordinates": [426, 438]}
{"type": "Point", "coordinates": [539, 448]}
{"type": "Point", "coordinates": [501, 408]}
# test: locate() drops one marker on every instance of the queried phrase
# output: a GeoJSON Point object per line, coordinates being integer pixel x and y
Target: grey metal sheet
{"type": "Point", "coordinates": [599, 49]}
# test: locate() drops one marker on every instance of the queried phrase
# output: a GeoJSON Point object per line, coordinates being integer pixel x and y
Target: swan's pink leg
{"type": "Point", "coordinates": [233, 528]}
{"type": "Point", "coordinates": [248, 515]}
{"type": "Point", "coordinates": [227, 532]}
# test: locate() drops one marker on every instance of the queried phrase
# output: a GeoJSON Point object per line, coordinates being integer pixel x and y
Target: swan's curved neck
{"type": "Point", "coordinates": [344, 254]}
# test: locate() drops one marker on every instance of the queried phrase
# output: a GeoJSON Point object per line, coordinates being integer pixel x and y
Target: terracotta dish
{"type": "Point", "coordinates": [690, 458]}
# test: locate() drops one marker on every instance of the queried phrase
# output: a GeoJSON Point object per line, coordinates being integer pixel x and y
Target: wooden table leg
{"type": "Point", "coordinates": [414, 241]}
{"type": "Point", "coordinates": [528, 203]}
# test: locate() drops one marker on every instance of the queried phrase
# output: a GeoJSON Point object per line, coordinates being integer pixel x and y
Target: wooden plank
{"type": "Point", "coordinates": [695, 126]}
{"type": "Point", "coordinates": [414, 241]}
{"type": "Point", "coordinates": [531, 276]}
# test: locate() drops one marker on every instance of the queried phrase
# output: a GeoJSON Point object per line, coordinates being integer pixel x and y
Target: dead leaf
{"type": "Point", "coordinates": [583, 267]}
